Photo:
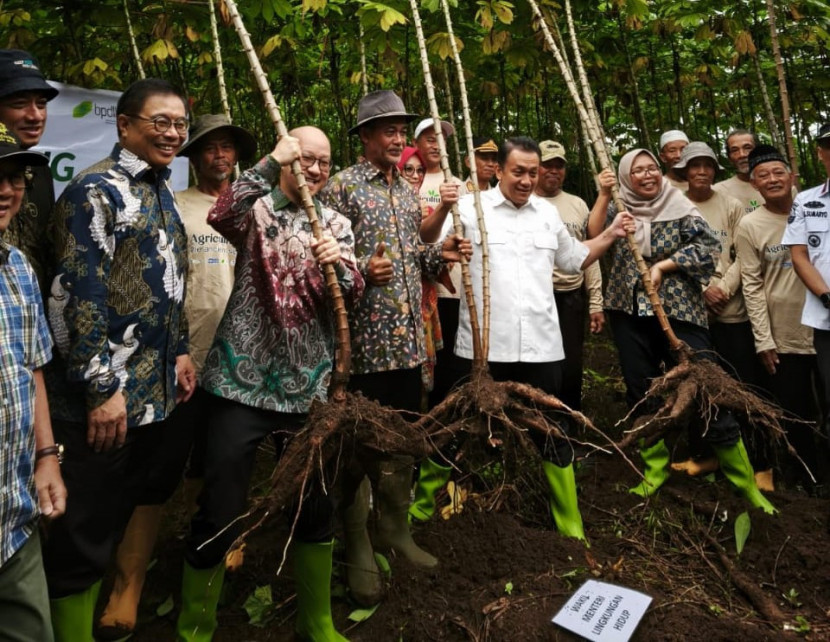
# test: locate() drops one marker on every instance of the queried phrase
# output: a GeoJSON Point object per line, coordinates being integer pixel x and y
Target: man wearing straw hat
{"type": "Point", "coordinates": [387, 330]}
{"type": "Point", "coordinates": [213, 147]}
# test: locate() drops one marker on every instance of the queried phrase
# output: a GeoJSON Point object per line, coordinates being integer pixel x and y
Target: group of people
{"type": "Point", "coordinates": [190, 327]}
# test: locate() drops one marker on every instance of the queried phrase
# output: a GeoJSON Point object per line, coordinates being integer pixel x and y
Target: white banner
{"type": "Point", "coordinates": [80, 131]}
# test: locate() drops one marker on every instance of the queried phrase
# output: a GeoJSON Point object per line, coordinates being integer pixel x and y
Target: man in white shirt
{"type": "Point", "coordinates": [672, 144]}
{"type": "Point", "coordinates": [527, 239]}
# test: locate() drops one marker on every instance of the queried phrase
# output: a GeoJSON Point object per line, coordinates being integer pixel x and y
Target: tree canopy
{"type": "Point", "coordinates": [698, 65]}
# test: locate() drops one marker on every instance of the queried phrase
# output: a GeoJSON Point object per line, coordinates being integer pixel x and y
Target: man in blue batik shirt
{"type": "Point", "coordinates": [116, 311]}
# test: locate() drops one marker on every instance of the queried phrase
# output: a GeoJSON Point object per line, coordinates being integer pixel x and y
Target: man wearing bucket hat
{"type": "Point", "coordinates": [729, 323]}
{"type": "Point", "coordinates": [774, 297]}
{"type": "Point", "coordinates": [672, 143]}
{"type": "Point", "coordinates": [24, 94]}
{"type": "Point", "coordinates": [30, 475]}
{"type": "Point", "coordinates": [808, 235]}
{"type": "Point", "coordinates": [387, 330]}
{"type": "Point", "coordinates": [213, 147]}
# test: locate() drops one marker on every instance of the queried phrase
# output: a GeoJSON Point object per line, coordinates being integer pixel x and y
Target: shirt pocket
{"type": "Point", "coordinates": [817, 238]}
{"type": "Point", "coordinates": [19, 333]}
{"type": "Point", "coordinates": [546, 241]}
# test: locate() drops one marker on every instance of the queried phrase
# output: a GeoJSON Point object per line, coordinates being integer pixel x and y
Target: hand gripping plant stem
{"type": "Point", "coordinates": [479, 360]}
{"type": "Point", "coordinates": [340, 376]}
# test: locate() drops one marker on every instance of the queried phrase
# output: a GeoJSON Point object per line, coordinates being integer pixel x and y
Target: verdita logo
{"type": "Point", "coordinates": [26, 63]}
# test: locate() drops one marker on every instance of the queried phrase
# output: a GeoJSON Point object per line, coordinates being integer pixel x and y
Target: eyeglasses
{"type": "Point", "coordinates": [645, 171]}
{"type": "Point", "coordinates": [16, 179]}
{"type": "Point", "coordinates": [163, 123]}
{"type": "Point", "coordinates": [411, 170]}
{"type": "Point", "coordinates": [307, 162]}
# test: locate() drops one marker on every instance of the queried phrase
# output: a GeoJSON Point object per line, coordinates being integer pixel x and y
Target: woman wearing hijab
{"type": "Point", "coordinates": [682, 252]}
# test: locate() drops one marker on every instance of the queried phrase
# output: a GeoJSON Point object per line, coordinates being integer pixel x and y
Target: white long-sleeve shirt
{"type": "Point", "coordinates": [525, 244]}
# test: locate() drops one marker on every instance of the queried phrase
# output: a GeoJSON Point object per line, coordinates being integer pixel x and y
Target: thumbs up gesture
{"type": "Point", "coordinates": [380, 270]}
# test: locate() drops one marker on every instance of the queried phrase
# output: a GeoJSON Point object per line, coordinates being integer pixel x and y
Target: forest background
{"type": "Point", "coordinates": [703, 66]}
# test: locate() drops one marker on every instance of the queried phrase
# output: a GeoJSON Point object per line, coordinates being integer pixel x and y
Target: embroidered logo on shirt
{"type": "Point", "coordinates": [814, 205]}
{"type": "Point", "coordinates": [814, 240]}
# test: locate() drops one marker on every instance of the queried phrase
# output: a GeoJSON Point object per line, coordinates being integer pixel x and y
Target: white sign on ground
{"type": "Point", "coordinates": [80, 131]}
{"type": "Point", "coordinates": [602, 611]}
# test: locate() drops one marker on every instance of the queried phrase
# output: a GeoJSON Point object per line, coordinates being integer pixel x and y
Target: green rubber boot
{"type": "Point", "coordinates": [734, 462]}
{"type": "Point", "coordinates": [656, 458]}
{"type": "Point", "coordinates": [392, 526]}
{"type": "Point", "coordinates": [431, 479]}
{"type": "Point", "coordinates": [362, 573]}
{"type": "Point", "coordinates": [72, 615]}
{"type": "Point", "coordinates": [312, 577]}
{"type": "Point", "coordinates": [563, 502]}
{"type": "Point", "coordinates": [200, 597]}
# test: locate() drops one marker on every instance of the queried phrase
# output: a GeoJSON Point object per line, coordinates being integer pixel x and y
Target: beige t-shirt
{"type": "Point", "coordinates": [749, 197]}
{"type": "Point", "coordinates": [211, 261]}
{"type": "Point", "coordinates": [773, 293]}
{"type": "Point", "coordinates": [723, 213]}
{"type": "Point", "coordinates": [681, 185]}
{"type": "Point", "coordinates": [574, 213]}
{"type": "Point", "coordinates": [431, 197]}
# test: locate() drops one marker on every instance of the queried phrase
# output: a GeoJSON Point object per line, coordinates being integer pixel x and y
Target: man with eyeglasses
{"type": "Point", "coordinates": [116, 308]}
{"type": "Point", "coordinates": [774, 297]}
{"type": "Point", "coordinates": [24, 94]}
{"type": "Point", "coordinates": [387, 329]}
{"type": "Point", "coordinates": [30, 476]}
{"type": "Point", "coordinates": [213, 147]}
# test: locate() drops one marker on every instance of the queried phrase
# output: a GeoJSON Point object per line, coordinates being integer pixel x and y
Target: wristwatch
{"type": "Point", "coordinates": [825, 299]}
{"type": "Point", "coordinates": [56, 450]}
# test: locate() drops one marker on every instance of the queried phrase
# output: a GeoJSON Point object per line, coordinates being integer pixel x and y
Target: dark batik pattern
{"type": "Point", "coordinates": [689, 242]}
{"type": "Point", "coordinates": [274, 348]}
{"type": "Point", "coordinates": [387, 329]}
{"type": "Point", "coordinates": [116, 301]}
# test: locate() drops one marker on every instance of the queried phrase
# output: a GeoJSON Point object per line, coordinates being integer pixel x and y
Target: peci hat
{"type": "Point", "coordinates": [19, 71]}
{"type": "Point", "coordinates": [383, 103]}
{"type": "Point", "coordinates": [823, 137]}
{"type": "Point", "coordinates": [671, 136]}
{"type": "Point", "coordinates": [429, 123]}
{"type": "Point", "coordinates": [550, 149]}
{"type": "Point", "coordinates": [204, 125]}
{"type": "Point", "coordinates": [10, 148]}
{"type": "Point", "coordinates": [697, 149]}
{"type": "Point", "coordinates": [765, 154]}
{"type": "Point", "coordinates": [485, 145]}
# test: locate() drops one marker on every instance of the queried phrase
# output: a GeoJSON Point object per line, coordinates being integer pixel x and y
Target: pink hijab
{"type": "Point", "coordinates": [669, 205]}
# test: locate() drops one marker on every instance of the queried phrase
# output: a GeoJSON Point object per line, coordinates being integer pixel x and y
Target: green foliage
{"type": "Point", "coordinates": [742, 527]}
{"type": "Point", "coordinates": [260, 606]}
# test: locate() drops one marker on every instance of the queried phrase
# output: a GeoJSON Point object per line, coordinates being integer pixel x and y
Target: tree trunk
{"type": "Point", "coordinates": [133, 44]}
{"type": "Point", "coordinates": [770, 115]}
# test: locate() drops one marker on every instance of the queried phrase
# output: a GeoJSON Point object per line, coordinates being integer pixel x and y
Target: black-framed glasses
{"type": "Point", "coordinates": [307, 162]}
{"type": "Point", "coordinates": [16, 179]}
{"type": "Point", "coordinates": [411, 170]}
{"type": "Point", "coordinates": [163, 123]}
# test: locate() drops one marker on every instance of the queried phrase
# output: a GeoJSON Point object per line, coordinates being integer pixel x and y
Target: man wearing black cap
{"type": "Point", "coordinates": [387, 330]}
{"type": "Point", "coordinates": [117, 314]}
{"type": "Point", "coordinates": [24, 94]}
{"type": "Point", "coordinates": [808, 235]}
{"type": "Point", "coordinates": [30, 476]}
{"type": "Point", "coordinates": [774, 297]}
{"type": "Point", "coordinates": [213, 147]}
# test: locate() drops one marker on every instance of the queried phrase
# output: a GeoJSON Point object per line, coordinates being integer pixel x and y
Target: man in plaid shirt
{"type": "Point", "coordinates": [30, 478]}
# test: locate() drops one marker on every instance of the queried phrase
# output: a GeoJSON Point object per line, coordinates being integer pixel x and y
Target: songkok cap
{"type": "Point", "coordinates": [697, 149]}
{"type": "Point", "coordinates": [671, 136]}
{"type": "Point", "coordinates": [19, 71]}
{"type": "Point", "coordinates": [765, 154]}
{"type": "Point", "coordinates": [380, 104]}
{"type": "Point", "coordinates": [204, 125]}
{"type": "Point", "coordinates": [429, 124]}
{"type": "Point", "coordinates": [10, 149]}
{"type": "Point", "coordinates": [824, 134]}
{"type": "Point", "coordinates": [550, 149]}
{"type": "Point", "coordinates": [485, 145]}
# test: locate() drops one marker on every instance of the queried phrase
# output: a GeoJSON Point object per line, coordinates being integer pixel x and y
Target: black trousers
{"type": "Point", "coordinates": [572, 308]}
{"type": "Point", "coordinates": [821, 342]}
{"type": "Point", "coordinates": [103, 490]}
{"type": "Point", "coordinates": [445, 359]}
{"type": "Point", "coordinates": [546, 376]}
{"type": "Point", "coordinates": [234, 432]}
{"type": "Point", "coordinates": [644, 353]}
